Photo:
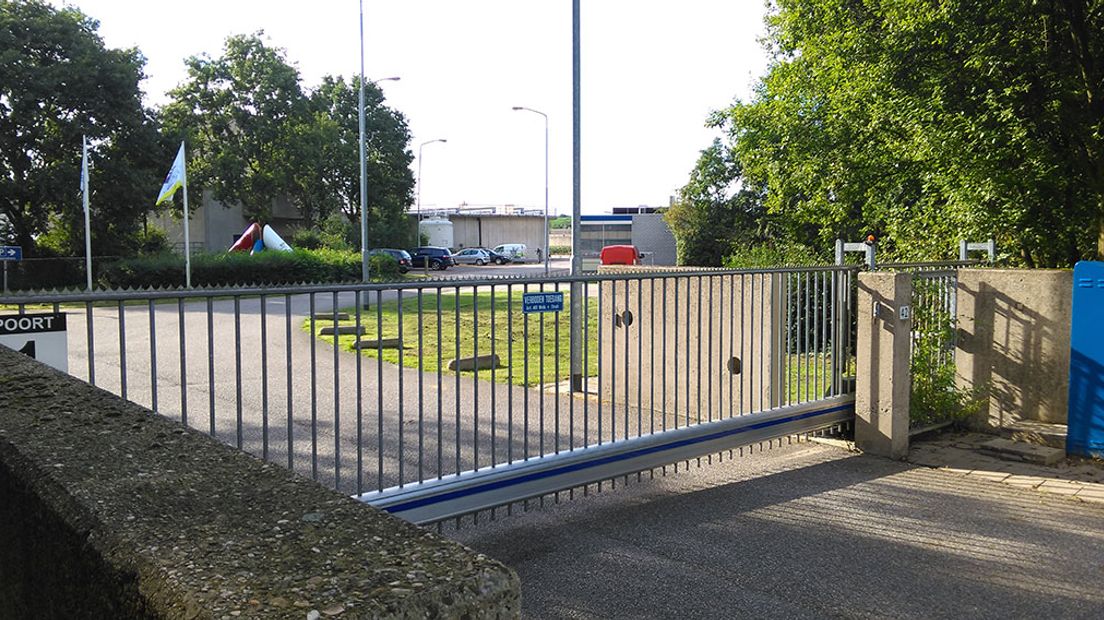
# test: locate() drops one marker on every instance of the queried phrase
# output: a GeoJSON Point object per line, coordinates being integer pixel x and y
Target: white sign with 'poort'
{"type": "Point", "coordinates": [40, 336]}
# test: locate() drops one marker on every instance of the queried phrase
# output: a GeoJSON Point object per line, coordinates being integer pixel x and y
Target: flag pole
{"type": "Point", "coordinates": [187, 244]}
{"type": "Point", "coordinates": [87, 217]}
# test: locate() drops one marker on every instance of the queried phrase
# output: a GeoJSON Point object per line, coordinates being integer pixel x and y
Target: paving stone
{"type": "Point", "coordinates": [343, 330]}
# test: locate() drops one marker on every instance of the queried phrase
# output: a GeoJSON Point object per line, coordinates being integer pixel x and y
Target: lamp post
{"type": "Point", "coordinates": [546, 247]}
{"type": "Point", "coordinates": [364, 157]}
{"type": "Point", "coordinates": [420, 147]}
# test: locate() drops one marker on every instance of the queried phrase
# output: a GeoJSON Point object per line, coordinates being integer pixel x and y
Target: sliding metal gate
{"type": "Point", "coordinates": [438, 398]}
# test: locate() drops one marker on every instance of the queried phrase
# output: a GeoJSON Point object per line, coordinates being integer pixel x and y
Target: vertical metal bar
{"type": "Point", "coordinates": [808, 338]}
{"type": "Point", "coordinates": [237, 369]}
{"type": "Point", "coordinates": [440, 391]}
{"type": "Point", "coordinates": [183, 364]}
{"type": "Point", "coordinates": [689, 344]}
{"type": "Point", "coordinates": [663, 359]}
{"type": "Point", "coordinates": [211, 366]}
{"type": "Point", "coordinates": [709, 363]}
{"type": "Point", "coordinates": [743, 330]}
{"type": "Point", "coordinates": [585, 346]}
{"type": "Point", "coordinates": [816, 337]}
{"type": "Point", "coordinates": [90, 331]}
{"type": "Point", "coordinates": [835, 334]}
{"type": "Point", "coordinates": [698, 357]}
{"type": "Point", "coordinates": [399, 370]}
{"type": "Point", "coordinates": [525, 371]}
{"type": "Point", "coordinates": [336, 391]}
{"type": "Point", "coordinates": [675, 352]}
{"type": "Point", "coordinates": [799, 335]}
{"type": "Point", "coordinates": [556, 372]}
{"type": "Point", "coordinates": [494, 383]}
{"type": "Point", "coordinates": [287, 378]}
{"type": "Point", "coordinates": [475, 378]}
{"type": "Point", "coordinates": [540, 402]}
{"type": "Point", "coordinates": [359, 397]}
{"type": "Point", "coordinates": [509, 373]}
{"type": "Point", "coordinates": [639, 355]}
{"type": "Point", "coordinates": [457, 335]}
{"type": "Point", "coordinates": [421, 386]}
{"type": "Point", "coordinates": [752, 353]}
{"type": "Point", "coordinates": [153, 356]}
{"type": "Point", "coordinates": [601, 346]}
{"type": "Point", "coordinates": [764, 372]}
{"type": "Point", "coordinates": [651, 354]}
{"type": "Point", "coordinates": [379, 389]}
{"type": "Point", "coordinates": [732, 341]}
{"type": "Point", "coordinates": [826, 390]}
{"type": "Point", "coordinates": [122, 350]}
{"type": "Point", "coordinates": [313, 393]}
{"type": "Point", "coordinates": [264, 377]}
{"type": "Point", "coordinates": [613, 360]}
{"type": "Point", "coordinates": [628, 303]}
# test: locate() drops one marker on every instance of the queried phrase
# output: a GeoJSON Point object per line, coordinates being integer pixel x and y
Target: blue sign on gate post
{"type": "Point", "coordinates": [11, 252]}
{"type": "Point", "coordinates": [542, 302]}
{"type": "Point", "coordinates": [1085, 433]}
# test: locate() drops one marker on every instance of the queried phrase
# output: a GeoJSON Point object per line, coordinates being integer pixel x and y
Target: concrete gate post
{"type": "Point", "coordinates": [882, 381]}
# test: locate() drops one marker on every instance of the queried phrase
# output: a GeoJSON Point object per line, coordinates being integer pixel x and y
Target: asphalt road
{"type": "Point", "coordinates": [804, 531]}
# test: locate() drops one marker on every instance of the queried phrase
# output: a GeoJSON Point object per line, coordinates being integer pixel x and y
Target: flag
{"type": "Point", "coordinates": [174, 179]}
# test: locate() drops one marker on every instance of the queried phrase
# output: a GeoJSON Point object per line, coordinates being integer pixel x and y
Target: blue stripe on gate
{"type": "Point", "coordinates": [566, 469]}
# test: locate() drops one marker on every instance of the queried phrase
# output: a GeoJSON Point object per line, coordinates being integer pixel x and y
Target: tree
{"type": "Point", "coordinates": [334, 158]}
{"type": "Point", "coordinates": [58, 82]}
{"type": "Point", "coordinates": [238, 114]}
{"type": "Point", "coordinates": [928, 121]}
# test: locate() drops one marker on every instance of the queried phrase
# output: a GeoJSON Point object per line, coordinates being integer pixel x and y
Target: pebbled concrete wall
{"type": "Point", "coordinates": [110, 511]}
{"type": "Point", "coordinates": [1014, 341]}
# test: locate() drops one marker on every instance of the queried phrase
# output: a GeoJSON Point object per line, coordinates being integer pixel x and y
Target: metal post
{"type": "Point", "coordinates": [363, 162]}
{"type": "Point", "coordinates": [547, 247]}
{"type": "Point", "coordinates": [187, 224]}
{"type": "Point", "coordinates": [87, 216]}
{"type": "Point", "coordinates": [963, 252]}
{"type": "Point", "coordinates": [576, 207]}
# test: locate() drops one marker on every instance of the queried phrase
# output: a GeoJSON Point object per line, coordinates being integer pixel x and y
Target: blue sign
{"type": "Point", "coordinates": [542, 302]}
{"type": "Point", "coordinates": [11, 252]}
{"type": "Point", "coordinates": [1085, 433]}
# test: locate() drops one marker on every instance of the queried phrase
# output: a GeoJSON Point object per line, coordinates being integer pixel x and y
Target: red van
{"type": "Point", "coordinates": [620, 255]}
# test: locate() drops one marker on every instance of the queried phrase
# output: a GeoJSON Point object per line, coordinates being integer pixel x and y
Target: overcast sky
{"type": "Point", "coordinates": [652, 72]}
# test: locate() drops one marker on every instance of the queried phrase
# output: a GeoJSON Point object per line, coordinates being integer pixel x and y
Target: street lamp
{"type": "Point", "coordinates": [420, 147]}
{"type": "Point", "coordinates": [364, 157]}
{"type": "Point", "coordinates": [546, 247]}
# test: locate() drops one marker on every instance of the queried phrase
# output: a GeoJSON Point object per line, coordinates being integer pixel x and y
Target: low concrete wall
{"type": "Point", "coordinates": [110, 511]}
{"type": "Point", "coordinates": [1014, 341]}
{"type": "Point", "coordinates": [684, 332]}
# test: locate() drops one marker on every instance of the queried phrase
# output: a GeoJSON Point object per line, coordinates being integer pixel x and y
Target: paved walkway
{"type": "Point", "coordinates": [957, 453]}
{"type": "Point", "coordinates": [806, 531]}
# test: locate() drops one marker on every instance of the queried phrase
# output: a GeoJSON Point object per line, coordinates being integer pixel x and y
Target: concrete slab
{"type": "Point", "coordinates": [342, 330]}
{"type": "Point", "coordinates": [1019, 451]}
{"type": "Point", "coordinates": [479, 362]}
{"type": "Point", "coordinates": [329, 316]}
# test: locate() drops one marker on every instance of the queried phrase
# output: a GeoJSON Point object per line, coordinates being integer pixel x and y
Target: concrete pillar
{"type": "Point", "coordinates": [882, 359]}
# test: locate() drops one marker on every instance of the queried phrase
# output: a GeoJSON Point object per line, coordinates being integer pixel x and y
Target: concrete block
{"type": "Point", "coordinates": [378, 343]}
{"type": "Point", "coordinates": [329, 316]}
{"type": "Point", "coordinates": [343, 330]}
{"type": "Point", "coordinates": [481, 362]}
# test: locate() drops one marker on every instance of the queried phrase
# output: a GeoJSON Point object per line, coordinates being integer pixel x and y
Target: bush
{"type": "Point", "coordinates": [559, 250]}
{"type": "Point", "coordinates": [152, 241]}
{"type": "Point", "coordinates": [384, 267]}
{"type": "Point", "coordinates": [305, 239]}
{"type": "Point", "coordinates": [770, 255]}
{"type": "Point", "coordinates": [235, 268]}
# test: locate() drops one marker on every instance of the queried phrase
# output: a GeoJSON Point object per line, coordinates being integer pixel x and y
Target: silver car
{"type": "Point", "coordinates": [472, 256]}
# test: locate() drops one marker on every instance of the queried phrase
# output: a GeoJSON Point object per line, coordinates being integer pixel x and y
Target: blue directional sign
{"type": "Point", "coordinates": [11, 252]}
{"type": "Point", "coordinates": [542, 302]}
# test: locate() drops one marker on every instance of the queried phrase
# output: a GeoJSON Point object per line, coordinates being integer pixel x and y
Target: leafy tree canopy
{"type": "Point", "coordinates": [924, 122]}
{"type": "Point", "coordinates": [58, 82]}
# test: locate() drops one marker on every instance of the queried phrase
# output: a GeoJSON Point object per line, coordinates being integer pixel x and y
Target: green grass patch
{"type": "Point", "coordinates": [473, 315]}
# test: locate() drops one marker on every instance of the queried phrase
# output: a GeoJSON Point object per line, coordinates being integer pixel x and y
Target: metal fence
{"type": "Point", "coordinates": [443, 397]}
{"type": "Point", "coordinates": [932, 345]}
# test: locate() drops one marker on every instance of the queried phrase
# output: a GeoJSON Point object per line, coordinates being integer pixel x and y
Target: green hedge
{"type": "Point", "coordinates": [237, 268]}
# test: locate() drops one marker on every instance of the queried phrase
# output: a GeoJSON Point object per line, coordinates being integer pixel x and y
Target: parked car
{"type": "Point", "coordinates": [472, 256]}
{"type": "Point", "coordinates": [514, 251]}
{"type": "Point", "coordinates": [402, 257]}
{"type": "Point", "coordinates": [620, 255]}
{"type": "Point", "coordinates": [496, 258]}
{"type": "Point", "coordinates": [431, 257]}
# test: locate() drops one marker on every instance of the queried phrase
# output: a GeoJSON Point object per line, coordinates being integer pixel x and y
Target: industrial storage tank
{"type": "Point", "coordinates": [439, 232]}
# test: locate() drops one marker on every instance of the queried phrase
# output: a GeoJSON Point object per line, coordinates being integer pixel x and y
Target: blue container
{"type": "Point", "coordinates": [1085, 435]}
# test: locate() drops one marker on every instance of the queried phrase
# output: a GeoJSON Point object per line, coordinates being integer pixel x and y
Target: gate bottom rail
{"type": "Point", "coordinates": [472, 491]}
